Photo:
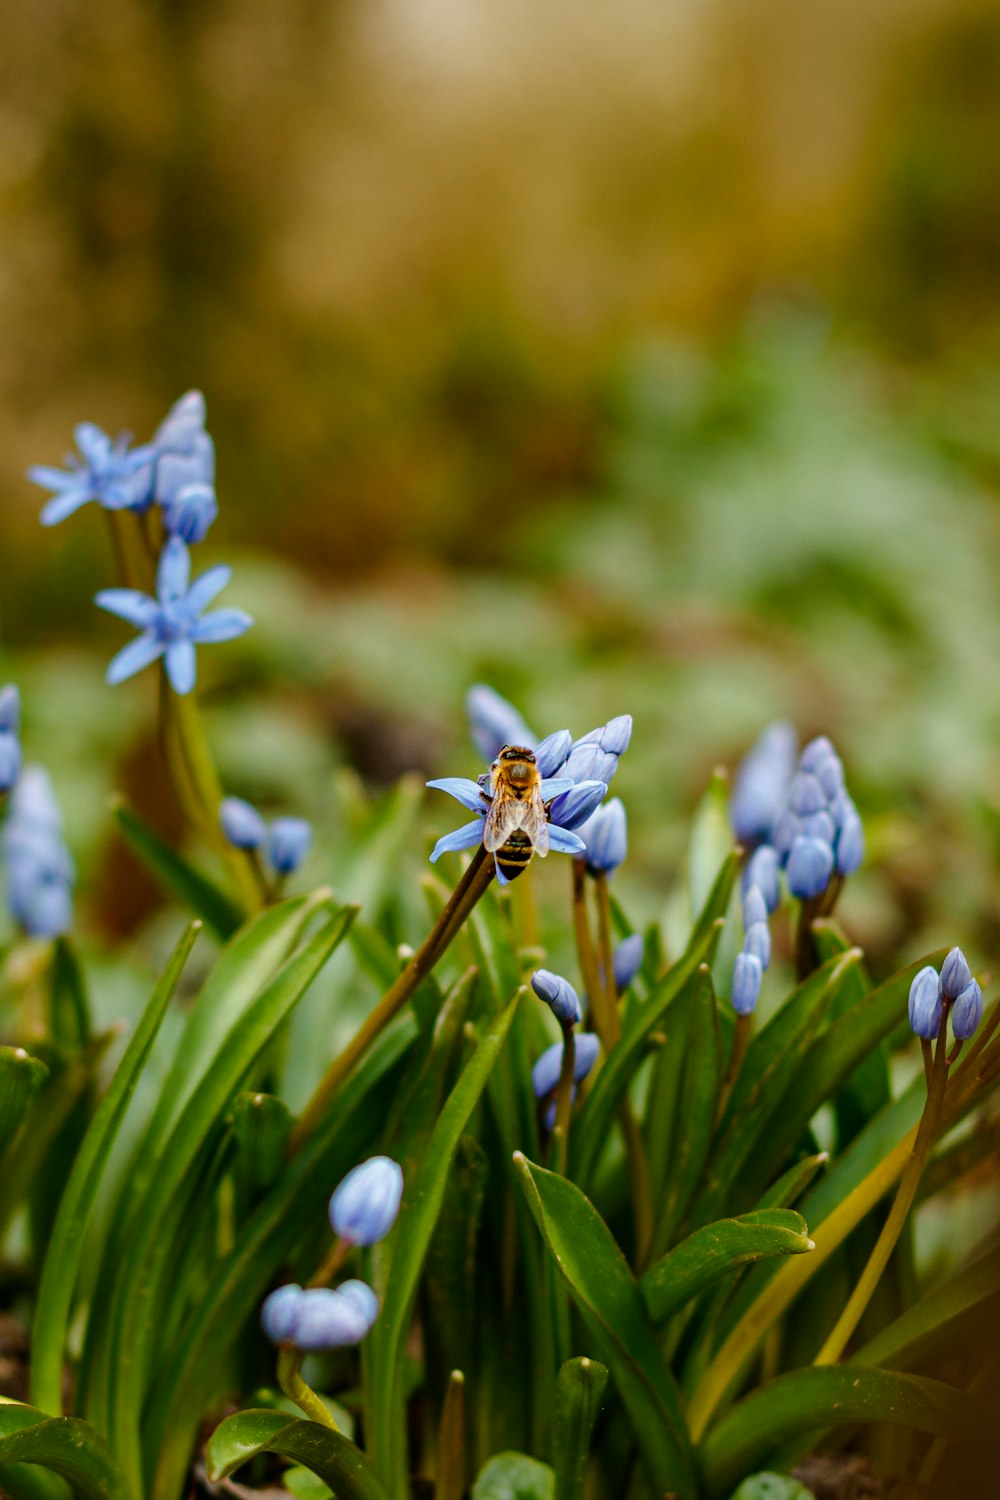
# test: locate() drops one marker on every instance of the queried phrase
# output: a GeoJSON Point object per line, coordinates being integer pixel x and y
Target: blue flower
{"type": "Point", "coordinates": [747, 977]}
{"type": "Point", "coordinates": [627, 961]}
{"type": "Point", "coordinates": [545, 1073]}
{"type": "Point", "coordinates": [760, 784]}
{"type": "Point", "coordinates": [105, 471]}
{"type": "Point", "coordinates": [364, 1207]}
{"type": "Point", "coordinates": [559, 995]}
{"type": "Point", "coordinates": [967, 1011]}
{"type": "Point", "coordinates": [317, 1318]}
{"type": "Point", "coordinates": [605, 834]}
{"type": "Point", "coordinates": [175, 622]}
{"type": "Point", "coordinates": [10, 745]}
{"type": "Point", "coordinates": [289, 843]}
{"type": "Point", "coordinates": [39, 870]}
{"type": "Point", "coordinates": [477, 799]}
{"type": "Point", "coordinates": [573, 808]}
{"type": "Point", "coordinates": [494, 722]}
{"type": "Point", "coordinates": [925, 1004]}
{"type": "Point", "coordinates": [184, 482]}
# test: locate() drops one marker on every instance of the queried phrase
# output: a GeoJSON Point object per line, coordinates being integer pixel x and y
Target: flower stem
{"type": "Point", "coordinates": [905, 1194]}
{"type": "Point", "coordinates": [741, 1041]}
{"type": "Point", "coordinates": [564, 1097]}
{"type": "Point", "coordinates": [606, 1022]}
{"type": "Point", "coordinates": [450, 1480]}
{"type": "Point", "coordinates": [331, 1263]}
{"type": "Point", "coordinates": [464, 897]}
{"type": "Point", "coordinates": [295, 1388]}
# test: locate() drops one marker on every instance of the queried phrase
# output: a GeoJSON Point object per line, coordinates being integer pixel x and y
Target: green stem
{"type": "Point", "coordinates": [464, 897]}
{"type": "Point", "coordinates": [295, 1388]}
{"type": "Point", "coordinates": [859, 1299]}
{"type": "Point", "coordinates": [741, 1041]}
{"type": "Point", "coordinates": [564, 1098]}
{"type": "Point", "coordinates": [331, 1263]}
{"type": "Point", "coordinates": [605, 944]}
{"type": "Point", "coordinates": [606, 1022]}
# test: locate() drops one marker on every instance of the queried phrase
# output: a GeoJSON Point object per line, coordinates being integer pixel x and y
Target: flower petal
{"type": "Point", "coordinates": [181, 666]}
{"type": "Point", "coordinates": [56, 479]}
{"type": "Point", "coordinates": [462, 838]}
{"type": "Point", "coordinates": [129, 604]}
{"type": "Point", "coordinates": [463, 790]}
{"type": "Point", "coordinates": [554, 786]}
{"type": "Point", "coordinates": [133, 657]}
{"type": "Point", "coordinates": [221, 625]}
{"type": "Point", "coordinates": [174, 571]}
{"type": "Point", "coordinates": [204, 589]}
{"type": "Point", "coordinates": [65, 505]}
{"type": "Point", "coordinates": [565, 842]}
{"type": "Point", "coordinates": [94, 444]}
{"type": "Point", "coordinates": [552, 752]}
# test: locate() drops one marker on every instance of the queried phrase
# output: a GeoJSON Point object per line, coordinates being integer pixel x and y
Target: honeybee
{"type": "Point", "coordinates": [516, 825]}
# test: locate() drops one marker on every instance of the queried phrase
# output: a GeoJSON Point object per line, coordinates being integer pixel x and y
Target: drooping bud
{"type": "Point", "coordinates": [242, 823]}
{"type": "Point", "coordinates": [190, 512]}
{"type": "Point", "coordinates": [559, 995]}
{"type": "Point", "coordinates": [364, 1207]}
{"type": "Point", "coordinates": [279, 1313]}
{"type": "Point", "coordinates": [545, 1073]}
{"type": "Point", "coordinates": [325, 1319]}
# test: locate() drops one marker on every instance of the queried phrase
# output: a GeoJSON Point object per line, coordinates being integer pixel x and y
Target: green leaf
{"type": "Point", "coordinates": [261, 1125]}
{"type": "Point", "coordinates": [62, 1262]}
{"type": "Point", "coordinates": [772, 1487]}
{"type": "Point", "coordinates": [422, 1199]}
{"type": "Point", "coordinates": [715, 1251]}
{"type": "Point", "coordinates": [132, 1325]}
{"type": "Point", "coordinates": [70, 1023]}
{"type": "Point", "coordinates": [65, 1445]}
{"type": "Point", "coordinates": [612, 1308]}
{"type": "Point", "coordinates": [192, 889]}
{"type": "Point", "coordinates": [826, 1396]}
{"type": "Point", "coordinates": [596, 1115]}
{"type": "Point", "coordinates": [950, 1314]}
{"type": "Point", "coordinates": [579, 1394]}
{"type": "Point", "coordinates": [514, 1476]}
{"type": "Point", "coordinates": [792, 1184]}
{"type": "Point", "coordinates": [331, 1456]}
{"type": "Point", "coordinates": [21, 1077]}
{"type": "Point", "coordinates": [697, 1099]}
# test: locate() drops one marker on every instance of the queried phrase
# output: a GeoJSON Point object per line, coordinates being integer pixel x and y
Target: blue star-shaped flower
{"type": "Point", "coordinates": [105, 471]}
{"type": "Point", "coordinates": [175, 622]}
{"type": "Point", "coordinates": [577, 800]}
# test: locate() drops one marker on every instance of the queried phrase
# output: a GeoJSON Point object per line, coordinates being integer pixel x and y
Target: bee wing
{"type": "Point", "coordinates": [535, 824]}
{"type": "Point", "coordinates": [502, 819]}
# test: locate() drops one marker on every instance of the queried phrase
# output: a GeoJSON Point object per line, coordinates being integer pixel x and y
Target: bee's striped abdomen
{"type": "Point", "coordinates": [515, 855]}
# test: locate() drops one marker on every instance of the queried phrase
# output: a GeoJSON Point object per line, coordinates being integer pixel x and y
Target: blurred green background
{"type": "Point", "coordinates": [631, 357]}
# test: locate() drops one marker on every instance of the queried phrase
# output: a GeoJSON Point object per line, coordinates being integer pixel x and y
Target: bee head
{"type": "Point", "coordinates": [517, 752]}
{"type": "Point", "coordinates": [518, 765]}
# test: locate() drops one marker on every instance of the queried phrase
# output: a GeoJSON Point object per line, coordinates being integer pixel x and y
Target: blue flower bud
{"type": "Point", "coordinates": [38, 866]}
{"type": "Point", "coordinates": [494, 722]}
{"type": "Point", "coordinates": [850, 844]}
{"type": "Point", "coordinates": [754, 907]}
{"type": "Point", "coordinates": [762, 871]}
{"type": "Point", "coordinates": [627, 961]}
{"type": "Point", "coordinates": [364, 1299]}
{"type": "Point", "coordinates": [545, 1073]}
{"type": "Point", "coordinates": [955, 974]}
{"type": "Point", "coordinates": [818, 825]}
{"type": "Point", "coordinates": [10, 709]}
{"type": "Point", "coordinates": [925, 1005]}
{"type": "Point", "coordinates": [967, 1011]}
{"type": "Point", "coordinates": [242, 823]}
{"type": "Point", "coordinates": [747, 978]}
{"type": "Point", "coordinates": [364, 1207]}
{"type": "Point", "coordinates": [810, 865]}
{"type": "Point", "coordinates": [830, 775]}
{"type": "Point", "coordinates": [616, 734]}
{"type": "Point", "coordinates": [805, 795]}
{"type": "Point", "coordinates": [594, 757]}
{"type": "Point", "coordinates": [279, 1313]}
{"type": "Point", "coordinates": [574, 807]}
{"type": "Point", "coordinates": [191, 512]}
{"type": "Point", "coordinates": [760, 784]}
{"type": "Point", "coordinates": [552, 752]}
{"type": "Point", "coordinates": [758, 942]}
{"type": "Point", "coordinates": [289, 842]}
{"type": "Point", "coordinates": [816, 753]}
{"type": "Point", "coordinates": [10, 760]}
{"type": "Point", "coordinates": [606, 836]}
{"type": "Point", "coordinates": [327, 1320]}
{"type": "Point", "coordinates": [558, 994]}
{"type": "Point", "coordinates": [786, 830]}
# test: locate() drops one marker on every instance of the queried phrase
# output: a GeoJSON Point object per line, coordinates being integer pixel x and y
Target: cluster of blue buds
{"type": "Point", "coordinates": [753, 959]}
{"type": "Point", "coordinates": [176, 473]}
{"type": "Point", "coordinates": [362, 1211]}
{"type": "Point", "coordinates": [286, 841]}
{"type": "Point", "coordinates": [564, 1003]}
{"type": "Point", "coordinates": [38, 867]}
{"type": "Point", "coordinates": [954, 988]}
{"type": "Point", "coordinates": [10, 745]}
{"type": "Point", "coordinates": [318, 1318]}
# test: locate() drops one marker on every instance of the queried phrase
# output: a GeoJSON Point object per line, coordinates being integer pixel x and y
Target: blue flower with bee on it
{"type": "Point", "coordinates": [175, 621]}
